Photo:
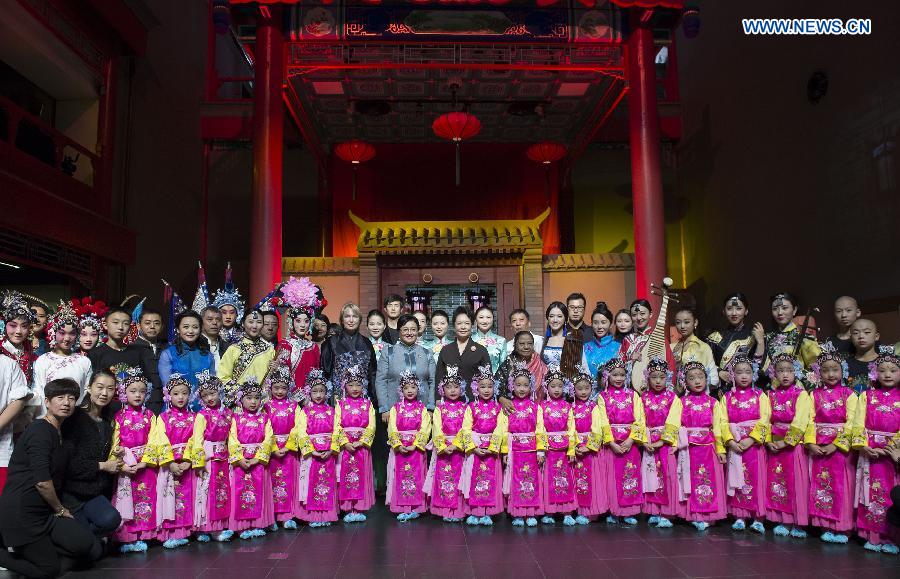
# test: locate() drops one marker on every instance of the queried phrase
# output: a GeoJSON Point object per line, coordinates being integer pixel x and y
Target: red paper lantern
{"type": "Point", "coordinates": [546, 152]}
{"type": "Point", "coordinates": [456, 127]}
{"type": "Point", "coordinates": [354, 152]}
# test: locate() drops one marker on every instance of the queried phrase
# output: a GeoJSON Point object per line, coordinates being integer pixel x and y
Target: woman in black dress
{"type": "Point", "coordinates": [33, 521]}
{"type": "Point", "coordinates": [463, 352]}
{"type": "Point", "coordinates": [87, 441]}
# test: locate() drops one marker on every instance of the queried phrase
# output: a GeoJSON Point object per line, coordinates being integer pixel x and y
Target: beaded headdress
{"type": "Point", "coordinates": [316, 377]}
{"type": "Point", "coordinates": [206, 382]}
{"type": "Point", "coordinates": [886, 355]}
{"type": "Point", "coordinates": [127, 375]}
{"type": "Point", "coordinates": [659, 364]}
{"type": "Point", "coordinates": [583, 374]}
{"type": "Point", "coordinates": [249, 387]}
{"type": "Point", "coordinates": [614, 364]}
{"type": "Point", "coordinates": [687, 367]}
{"type": "Point", "coordinates": [742, 359]}
{"type": "Point", "coordinates": [280, 373]}
{"type": "Point", "coordinates": [13, 305]}
{"type": "Point", "coordinates": [784, 356]}
{"type": "Point", "coordinates": [451, 377]}
{"type": "Point", "coordinates": [351, 368]}
{"type": "Point", "coordinates": [174, 380]}
{"type": "Point", "coordinates": [64, 316]}
{"type": "Point", "coordinates": [554, 373]}
{"type": "Point", "coordinates": [484, 373]}
{"type": "Point", "coordinates": [407, 377]}
{"type": "Point", "coordinates": [828, 353]}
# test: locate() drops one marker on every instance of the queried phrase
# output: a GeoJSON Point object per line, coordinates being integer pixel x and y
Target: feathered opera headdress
{"type": "Point", "coordinates": [90, 313]}
{"type": "Point", "coordinates": [229, 295]}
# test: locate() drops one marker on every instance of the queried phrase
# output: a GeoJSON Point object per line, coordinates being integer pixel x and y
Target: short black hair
{"type": "Point", "coordinates": [576, 296]}
{"type": "Point", "coordinates": [517, 311]}
{"type": "Point", "coordinates": [463, 311]}
{"type": "Point", "coordinates": [688, 309]}
{"type": "Point", "coordinates": [61, 387]}
{"type": "Point", "coordinates": [149, 312]}
{"type": "Point", "coordinates": [213, 309]}
{"type": "Point", "coordinates": [393, 298]}
{"type": "Point", "coordinates": [440, 313]}
{"type": "Point", "coordinates": [405, 319]}
{"type": "Point", "coordinates": [116, 310]}
{"type": "Point", "coordinates": [375, 314]}
{"type": "Point", "coordinates": [270, 313]}
{"type": "Point", "coordinates": [101, 372]}
{"type": "Point", "coordinates": [643, 303]}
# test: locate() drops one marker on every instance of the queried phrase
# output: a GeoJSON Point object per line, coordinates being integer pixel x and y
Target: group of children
{"type": "Point", "coordinates": [822, 458]}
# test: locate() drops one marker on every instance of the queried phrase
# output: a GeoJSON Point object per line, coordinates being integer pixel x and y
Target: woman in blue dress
{"type": "Point", "coordinates": [188, 355]}
{"type": "Point", "coordinates": [603, 346]}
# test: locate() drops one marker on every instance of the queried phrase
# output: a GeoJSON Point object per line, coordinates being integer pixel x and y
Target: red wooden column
{"type": "Point", "coordinates": [268, 127]}
{"type": "Point", "coordinates": [646, 180]}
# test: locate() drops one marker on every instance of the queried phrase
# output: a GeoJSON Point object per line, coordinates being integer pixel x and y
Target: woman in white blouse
{"type": "Point", "coordinates": [62, 361]}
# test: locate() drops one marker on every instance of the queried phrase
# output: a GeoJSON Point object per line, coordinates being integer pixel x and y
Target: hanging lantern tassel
{"type": "Point", "coordinates": [457, 162]}
{"type": "Point", "coordinates": [354, 152]}
{"type": "Point", "coordinates": [456, 127]}
{"type": "Point", "coordinates": [546, 153]}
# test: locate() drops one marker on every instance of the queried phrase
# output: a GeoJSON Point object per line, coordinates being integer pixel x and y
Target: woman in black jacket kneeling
{"type": "Point", "coordinates": [87, 440]}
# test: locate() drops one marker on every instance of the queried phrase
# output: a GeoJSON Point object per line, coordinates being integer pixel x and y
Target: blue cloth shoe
{"type": "Point", "coordinates": [259, 532]}
{"type": "Point", "coordinates": [827, 537]}
{"type": "Point", "coordinates": [531, 522]}
{"type": "Point", "coordinates": [473, 520]}
{"type": "Point", "coordinates": [403, 517]}
{"type": "Point", "coordinates": [274, 527]}
{"type": "Point", "coordinates": [890, 549]}
{"type": "Point", "coordinates": [582, 520]}
{"type": "Point", "coordinates": [611, 520]}
{"type": "Point", "coordinates": [518, 522]}
{"type": "Point", "coordinates": [360, 517]}
{"type": "Point", "coordinates": [758, 527]}
{"type": "Point", "coordinates": [653, 520]}
{"type": "Point", "coordinates": [798, 533]}
{"type": "Point", "coordinates": [739, 525]}
{"type": "Point", "coordinates": [664, 523]}
{"type": "Point", "coordinates": [412, 516]}
{"type": "Point", "coordinates": [568, 521]}
{"type": "Point", "coordinates": [174, 543]}
{"type": "Point", "coordinates": [248, 534]}
{"type": "Point", "coordinates": [204, 538]}
{"type": "Point", "coordinates": [781, 531]}
{"type": "Point", "coordinates": [132, 548]}
{"type": "Point", "coordinates": [700, 525]}
{"type": "Point", "coordinates": [451, 520]}
{"type": "Point", "coordinates": [225, 535]}
{"type": "Point", "coordinates": [872, 547]}
{"type": "Point", "coordinates": [629, 521]}
{"type": "Point", "coordinates": [840, 538]}
{"type": "Point", "coordinates": [486, 521]}
{"type": "Point", "coordinates": [290, 525]}
{"type": "Point", "coordinates": [548, 520]}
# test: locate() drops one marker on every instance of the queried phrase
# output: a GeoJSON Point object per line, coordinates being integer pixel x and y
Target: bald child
{"type": "Point", "coordinates": [846, 312]}
{"type": "Point", "coordinates": [864, 336]}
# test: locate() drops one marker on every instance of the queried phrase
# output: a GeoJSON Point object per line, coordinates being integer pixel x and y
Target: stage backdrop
{"type": "Point", "coordinates": [416, 183]}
